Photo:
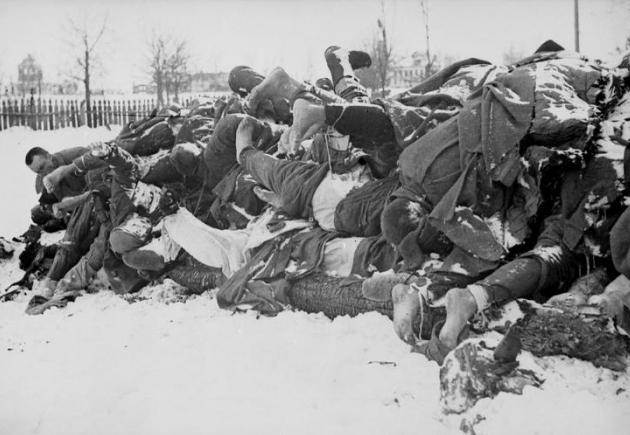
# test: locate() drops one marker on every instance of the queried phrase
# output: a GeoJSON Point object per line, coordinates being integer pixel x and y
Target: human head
{"type": "Point", "coordinates": [401, 222]}
{"type": "Point", "coordinates": [39, 161]}
{"type": "Point", "coordinates": [185, 156]}
{"type": "Point", "coordinates": [242, 79]}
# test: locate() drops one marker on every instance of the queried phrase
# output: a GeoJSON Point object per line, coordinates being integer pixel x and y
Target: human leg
{"type": "Point", "coordinates": [341, 64]}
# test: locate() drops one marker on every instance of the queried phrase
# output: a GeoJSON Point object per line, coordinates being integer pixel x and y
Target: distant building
{"type": "Point", "coordinates": [29, 76]}
{"type": "Point", "coordinates": [144, 88]}
{"type": "Point", "coordinates": [409, 72]}
{"type": "Point", "coordinates": [208, 82]}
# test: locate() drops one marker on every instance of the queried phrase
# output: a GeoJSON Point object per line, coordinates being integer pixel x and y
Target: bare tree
{"type": "Point", "coordinates": [157, 66]}
{"type": "Point", "coordinates": [85, 38]}
{"type": "Point", "coordinates": [381, 56]}
{"type": "Point", "coordinates": [177, 69]}
{"type": "Point", "coordinates": [168, 66]}
{"type": "Point", "coordinates": [430, 66]}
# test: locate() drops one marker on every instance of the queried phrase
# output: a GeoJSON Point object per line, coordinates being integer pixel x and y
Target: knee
{"type": "Point", "coordinates": [131, 235]}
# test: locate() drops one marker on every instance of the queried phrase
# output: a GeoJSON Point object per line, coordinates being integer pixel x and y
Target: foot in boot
{"type": "Point", "coordinates": [406, 308]}
{"type": "Point", "coordinates": [460, 307]}
{"type": "Point", "coordinates": [277, 84]}
{"type": "Point", "coordinates": [359, 59]}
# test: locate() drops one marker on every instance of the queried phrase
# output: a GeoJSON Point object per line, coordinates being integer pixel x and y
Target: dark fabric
{"type": "Point", "coordinates": [294, 181]}
{"type": "Point", "coordinates": [359, 212]}
{"type": "Point", "coordinates": [495, 124]}
{"type": "Point", "coordinates": [581, 192]}
{"type": "Point", "coordinates": [81, 232]}
{"type": "Point", "coordinates": [369, 129]}
{"type": "Point", "coordinates": [430, 166]}
{"type": "Point", "coordinates": [144, 259]}
{"type": "Point", "coordinates": [162, 172]}
{"type": "Point", "coordinates": [549, 45]}
{"type": "Point", "coordinates": [122, 278]}
{"type": "Point", "coordinates": [404, 119]}
{"type": "Point", "coordinates": [234, 291]}
{"type": "Point", "coordinates": [195, 276]}
{"type": "Point", "coordinates": [620, 244]}
{"type": "Point", "coordinates": [148, 139]}
{"type": "Point", "coordinates": [195, 128]}
{"type": "Point", "coordinates": [40, 215]}
{"type": "Point", "coordinates": [304, 249]}
{"type": "Point", "coordinates": [362, 122]}
{"type": "Point", "coordinates": [559, 265]}
{"type": "Point", "coordinates": [220, 153]}
{"type": "Point", "coordinates": [135, 129]}
{"type": "Point", "coordinates": [125, 175]}
{"type": "Point", "coordinates": [373, 254]}
{"type": "Point", "coordinates": [80, 276]}
{"type": "Point", "coordinates": [517, 279]}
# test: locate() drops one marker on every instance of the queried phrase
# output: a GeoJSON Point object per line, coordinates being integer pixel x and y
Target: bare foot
{"type": "Point", "coordinates": [277, 84]}
{"type": "Point", "coordinates": [460, 307]}
{"type": "Point", "coordinates": [45, 287]}
{"type": "Point", "coordinates": [609, 305]}
{"type": "Point", "coordinates": [406, 308]}
{"type": "Point", "coordinates": [308, 119]}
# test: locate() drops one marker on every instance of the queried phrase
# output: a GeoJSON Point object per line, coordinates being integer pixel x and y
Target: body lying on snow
{"type": "Point", "coordinates": [480, 185]}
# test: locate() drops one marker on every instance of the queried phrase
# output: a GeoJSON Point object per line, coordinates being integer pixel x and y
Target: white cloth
{"type": "Point", "coordinates": [330, 192]}
{"type": "Point", "coordinates": [339, 255]}
{"type": "Point", "coordinates": [225, 249]}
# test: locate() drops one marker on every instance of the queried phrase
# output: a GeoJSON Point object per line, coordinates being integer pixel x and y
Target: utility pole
{"type": "Point", "coordinates": [576, 25]}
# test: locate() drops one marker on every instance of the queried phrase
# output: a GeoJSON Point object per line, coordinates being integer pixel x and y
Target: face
{"type": "Point", "coordinates": [41, 164]}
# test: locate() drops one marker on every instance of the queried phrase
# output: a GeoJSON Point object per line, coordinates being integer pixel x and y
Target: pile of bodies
{"type": "Point", "coordinates": [481, 185]}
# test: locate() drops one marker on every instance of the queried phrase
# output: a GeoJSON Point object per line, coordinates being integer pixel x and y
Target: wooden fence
{"type": "Point", "coordinates": [48, 114]}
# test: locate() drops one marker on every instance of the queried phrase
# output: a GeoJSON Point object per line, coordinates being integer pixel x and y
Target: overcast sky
{"type": "Point", "coordinates": [294, 33]}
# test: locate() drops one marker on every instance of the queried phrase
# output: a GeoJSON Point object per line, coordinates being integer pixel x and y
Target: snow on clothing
{"type": "Point", "coordinates": [380, 128]}
{"type": "Point", "coordinates": [146, 136]}
{"type": "Point", "coordinates": [473, 159]}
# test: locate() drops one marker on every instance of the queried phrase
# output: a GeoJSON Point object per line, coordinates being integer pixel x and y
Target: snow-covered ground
{"type": "Point", "coordinates": [104, 365]}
